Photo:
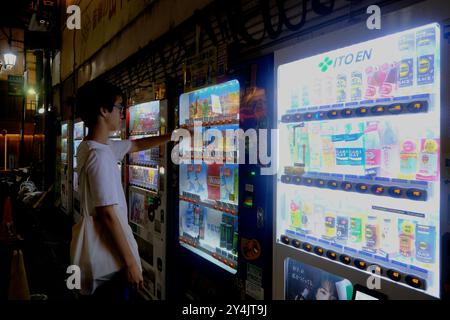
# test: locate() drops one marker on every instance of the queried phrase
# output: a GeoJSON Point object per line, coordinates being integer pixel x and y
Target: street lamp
{"type": "Point", "coordinates": [9, 60]}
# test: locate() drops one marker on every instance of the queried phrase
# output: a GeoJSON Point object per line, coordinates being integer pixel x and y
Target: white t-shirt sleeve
{"type": "Point", "coordinates": [98, 171]}
{"type": "Point", "coordinates": [120, 148]}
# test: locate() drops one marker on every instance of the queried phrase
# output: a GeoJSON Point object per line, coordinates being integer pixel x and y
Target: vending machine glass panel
{"type": "Point", "coordinates": [360, 144]}
{"type": "Point", "coordinates": [208, 220]}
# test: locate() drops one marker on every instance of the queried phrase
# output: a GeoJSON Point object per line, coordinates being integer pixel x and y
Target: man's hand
{"type": "Point", "coordinates": [134, 277]}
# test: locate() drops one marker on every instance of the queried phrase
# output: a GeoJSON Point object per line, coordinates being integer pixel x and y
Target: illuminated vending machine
{"type": "Point", "coordinates": [78, 135]}
{"type": "Point", "coordinates": [358, 210]}
{"type": "Point", "coordinates": [208, 208]}
{"type": "Point", "coordinates": [222, 201]}
{"type": "Point", "coordinates": [147, 194]}
{"type": "Point", "coordinates": [66, 189]}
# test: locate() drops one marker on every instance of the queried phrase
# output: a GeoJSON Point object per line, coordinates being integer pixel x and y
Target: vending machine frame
{"type": "Point", "coordinates": [411, 17]}
{"type": "Point", "coordinates": [66, 165]}
{"type": "Point", "coordinates": [155, 271]}
{"type": "Point", "coordinates": [252, 278]}
{"type": "Point", "coordinates": [75, 197]}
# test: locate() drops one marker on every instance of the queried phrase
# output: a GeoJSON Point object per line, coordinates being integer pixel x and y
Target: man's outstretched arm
{"type": "Point", "coordinates": [150, 142]}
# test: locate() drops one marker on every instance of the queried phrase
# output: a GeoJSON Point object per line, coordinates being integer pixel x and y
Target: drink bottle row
{"type": "Point", "coordinates": [380, 148]}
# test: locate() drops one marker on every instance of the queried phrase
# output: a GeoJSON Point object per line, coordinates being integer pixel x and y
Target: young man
{"type": "Point", "coordinates": [103, 199]}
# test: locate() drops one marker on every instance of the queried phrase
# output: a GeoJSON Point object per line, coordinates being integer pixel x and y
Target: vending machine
{"type": "Point", "coordinates": [79, 132]}
{"type": "Point", "coordinates": [224, 211]}
{"type": "Point", "coordinates": [358, 192]}
{"type": "Point", "coordinates": [208, 221]}
{"type": "Point", "coordinates": [147, 194]}
{"type": "Point", "coordinates": [66, 189]}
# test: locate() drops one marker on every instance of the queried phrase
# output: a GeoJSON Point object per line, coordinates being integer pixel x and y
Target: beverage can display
{"type": "Point", "coordinates": [425, 47]}
{"type": "Point", "coordinates": [406, 237]}
{"type": "Point", "coordinates": [229, 236]}
{"type": "Point", "coordinates": [196, 215]}
{"type": "Point", "coordinates": [356, 86]}
{"type": "Point", "coordinates": [408, 159]}
{"type": "Point", "coordinates": [213, 181]}
{"type": "Point", "coordinates": [342, 229]}
{"type": "Point", "coordinates": [223, 235]}
{"type": "Point", "coordinates": [390, 153]}
{"type": "Point", "coordinates": [371, 87]}
{"type": "Point", "coordinates": [189, 216]}
{"type": "Point", "coordinates": [356, 232]}
{"type": "Point", "coordinates": [389, 87]}
{"type": "Point", "coordinates": [307, 216]}
{"type": "Point", "coordinates": [425, 243]}
{"type": "Point", "coordinates": [371, 234]}
{"type": "Point", "coordinates": [235, 242]}
{"type": "Point", "coordinates": [315, 147]}
{"type": "Point", "coordinates": [293, 150]}
{"type": "Point", "coordinates": [330, 224]}
{"type": "Point", "coordinates": [355, 142]}
{"type": "Point", "coordinates": [340, 148]}
{"type": "Point", "coordinates": [202, 221]}
{"type": "Point", "coordinates": [341, 87]}
{"type": "Point", "coordinates": [428, 160]}
{"type": "Point", "coordinates": [406, 47]}
{"type": "Point", "coordinates": [228, 191]}
{"type": "Point", "coordinates": [372, 148]}
{"type": "Point", "coordinates": [295, 214]}
{"type": "Point", "coordinates": [328, 154]}
{"type": "Point", "coordinates": [317, 220]}
{"type": "Point", "coordinates": [301, 141]}
{"type": "Point", "coordinates": [387, 238]}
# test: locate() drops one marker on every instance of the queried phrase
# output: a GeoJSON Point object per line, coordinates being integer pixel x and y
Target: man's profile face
{"type": "Point", "coordinates": [115, 118]}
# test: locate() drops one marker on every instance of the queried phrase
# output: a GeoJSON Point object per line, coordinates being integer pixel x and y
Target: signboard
{"type": "Point", "coordinates": [15, 85]}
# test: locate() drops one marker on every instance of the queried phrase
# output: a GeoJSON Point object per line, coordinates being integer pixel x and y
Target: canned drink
{"type": "Point", "coordinates": [223, 235]}
{"type": "Point", "coordinates": [425, 243]}
{"type": "Point", "coordinates": [342, 229]}
{"type": "Point", "coordinates": [295, 215]}
{"type": "Point", "coordinates": [406, 237]}
{"type": "Point", "coordinates": [371, 233]}
{"type": "Point", "coordinates": [330, 225]}
{"type": "Point", "coordinates": [341, 88]}
{"type": "Point", "coordinates": [229, 236]}
{"type": "Point", "coordinates": [356, 87]}
{"type": "Point", "coordinates": [386, 241]}
{"type": "Point", "coordinates": [355, 229]}
{"type": "Point", "coordinates": [235, 242]}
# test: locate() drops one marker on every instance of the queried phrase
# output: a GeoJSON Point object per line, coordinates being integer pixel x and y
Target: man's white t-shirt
{"type": "Point", "coordinates": [104, 186]}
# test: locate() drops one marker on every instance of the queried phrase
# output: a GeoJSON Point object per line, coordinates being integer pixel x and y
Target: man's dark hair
{"type": "Point", "coordinates": [94, 95]}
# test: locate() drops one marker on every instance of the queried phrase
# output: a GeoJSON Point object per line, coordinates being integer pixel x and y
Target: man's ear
{"type": "Point", "coordinates": [104, 112]}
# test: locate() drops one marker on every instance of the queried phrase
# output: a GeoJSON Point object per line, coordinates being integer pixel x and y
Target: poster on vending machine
{"type": "Point", "coordinates": [305, 282]}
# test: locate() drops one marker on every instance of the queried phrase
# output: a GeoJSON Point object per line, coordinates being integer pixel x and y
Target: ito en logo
{"type": "Point", "coordinates": [325, 64]}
